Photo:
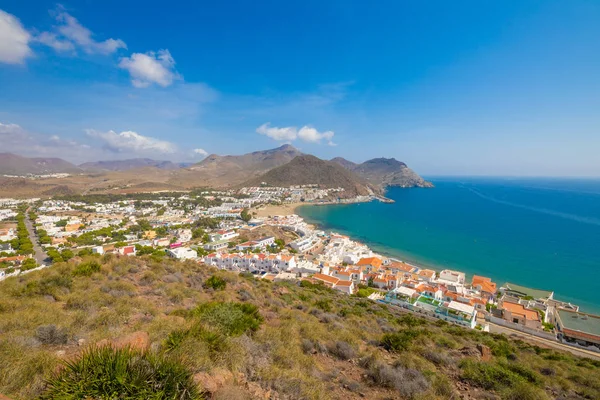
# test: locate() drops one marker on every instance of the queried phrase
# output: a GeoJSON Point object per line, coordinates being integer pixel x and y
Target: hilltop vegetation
{"type": "Point", "coordinates": [149, 328]}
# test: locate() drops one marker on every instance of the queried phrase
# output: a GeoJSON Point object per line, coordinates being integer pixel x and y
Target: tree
{"type": "Point", "coordinates": [201, 252]}
{"type": "Point", "coordinates": [245, 215]}
{"type": "Point", "coordinates": [67, 254]}
{"type": "Point", "coordinates": [144, 225]}
{"type": "Point", "coordinates": [28, 264]}
{"type": "Point", "coordinates": [85, 252]}
{"type": "Point", "coordinates": [197, 233]}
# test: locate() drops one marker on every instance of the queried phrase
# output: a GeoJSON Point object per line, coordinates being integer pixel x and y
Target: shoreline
{"type": "Point", "coordinates": [288, 209]}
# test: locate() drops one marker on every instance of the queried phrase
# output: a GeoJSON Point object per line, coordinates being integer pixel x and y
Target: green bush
{"type": "Point", "coordinates": [175, 339]}
{"type": "Point", "coordinates": [399, 341]}
{"type": "Point", "coordinates": [489, 376]}
{"type": "Point", "coordinates": [323, 304]}
{"type": "Point", "coordinates": [365, 292]}
{"type": "Point", "coordinates": [523, 391]}
{"type": "Point", "coordinates": [524, 372]}
{"type": "Point", "coordinates": [107, 373]}
{"type": "Point", "coordinates": [86, 268]}
{"type": "Point", "coordinates": [215, 282]}
{"type": "Point", "coordinates": [411, 321]}
{"type": "Point", "coordinates": [232, 319]}
{"type": "Point", "coordinates": [48, 285]}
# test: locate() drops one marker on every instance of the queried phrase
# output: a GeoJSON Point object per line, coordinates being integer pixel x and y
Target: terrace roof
{"type": "Point", "coordinates": [465, 308]}
{"type": "Point", "coordinates": [525, 291]}
{"type": "Point", "coordinates": [581, 322]}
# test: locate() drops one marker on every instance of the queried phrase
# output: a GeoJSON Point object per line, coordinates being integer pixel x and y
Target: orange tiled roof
{"type": "Point", "coordinates": [373, 261]}
{"type": "Point", "coordinates": [484, 283]}
{"type": "Point", "coordinates": [429, 273]}
{"type": "Point", "coordinates": [519, 309]}
{"type": "Point", "coordinates": [401, 266]}
{"type": "Point", "coordinates": [326, 278]}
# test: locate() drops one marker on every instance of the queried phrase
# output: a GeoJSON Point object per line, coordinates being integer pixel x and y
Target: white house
{"type": "Point", "coordinates": [305, 244]}
{"type": "Point", "coordinates": [223, 234]}
{"type": "Point", "coordinates": [345, 286]}
{"type": "Point", "coordinates": [182, 253]}
{"type": "Point", "coordinates": [251, 262]}
{"type": "Point", "coordinates": [452, 276]}
{"type": "Point", "coordinates": [216, 246]}
{"type": "Point", "coordinates": [98, 250]}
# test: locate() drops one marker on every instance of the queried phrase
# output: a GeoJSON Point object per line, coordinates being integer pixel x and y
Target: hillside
{"type": "Point", "coordinates": [232, 170]}
{"type": "Point", "coordinates": [200, 333]}
{"type": "Point", "coordinates": [307, 169]}
{"type": "Point", "coordinates": [124, 165]}
{"type": "Point", "coordinates": [385, 172]}
{"type": "Point", "coordinates": [12, 164]}
{"type": "Point", "coordinates": [344, 163]}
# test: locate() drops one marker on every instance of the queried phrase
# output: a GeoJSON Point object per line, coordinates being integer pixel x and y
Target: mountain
{"type": "Point", "coordinates": [344, 163]}
{"type": "Point", "coordinates": [232, 170]}
{"type": "Point", "coordinates": [124, 165]}
{"type": "Point", "coordinates": [385, 172]}
{"type": "Point", "coordinates": [307, 169]}
{"type": "Point", "coordinates": [12, 164]}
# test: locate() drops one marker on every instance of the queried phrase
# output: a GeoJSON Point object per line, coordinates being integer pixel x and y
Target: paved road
{"type": "Point", "coordinates": [40, 254]}
{"type": "Point", "coordinates": [525, 337]}
{"type": "Point", "coordinates": [545, 342]}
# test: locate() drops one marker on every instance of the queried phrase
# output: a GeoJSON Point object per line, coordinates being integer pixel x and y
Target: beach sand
{"type": "Point", "coordinates": [284, 209]}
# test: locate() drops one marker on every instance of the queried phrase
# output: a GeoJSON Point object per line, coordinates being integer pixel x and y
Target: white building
{"type": "Point", "coordinates": [251, 262]}
{"type": "Point", "coordinates": [223, 234]}
{"type": "Point", "coordinates": [182, 253]}
{"type": "Point", "coordinates": [305, 244]}
{"type": "Point", "coordinates": [456, 277]}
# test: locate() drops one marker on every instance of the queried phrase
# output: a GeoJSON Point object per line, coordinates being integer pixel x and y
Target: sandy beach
{"type": "Point", "coordinates": [284, 209]}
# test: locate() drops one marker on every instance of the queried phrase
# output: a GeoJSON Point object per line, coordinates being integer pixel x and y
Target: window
{"type": "Point", "coordinates": [515, 320]}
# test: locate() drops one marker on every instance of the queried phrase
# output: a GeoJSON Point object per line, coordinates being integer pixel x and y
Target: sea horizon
{"type": "Point", "coordinates": [527, 231]}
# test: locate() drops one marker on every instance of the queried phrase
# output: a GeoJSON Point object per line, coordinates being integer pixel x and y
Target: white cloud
{"type": "Point", "coordinates": [283, 134]}
{"type": "Point", "coordinates": [310, 134]}
{"type": "Point", "coordinates": [16, 139]}
{"type": "Point", "coordinates": [53, 40]}
{"type": "Point", "coordinates": [129, 141]}
{"type": "Point", "coordinates": [201, 152]}
{"type": "Point", "coordinates": [14, 40]}
{"type": "Point", "coordinates": [78, 34]}
{"type": "Point", "coordinates": [146, 69]}
{"type": "Point", "coordinates": [290, 133]}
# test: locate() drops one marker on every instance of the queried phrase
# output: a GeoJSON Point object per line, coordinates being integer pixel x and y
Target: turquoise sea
{"type": "Point", "coordinates": [540, 233]}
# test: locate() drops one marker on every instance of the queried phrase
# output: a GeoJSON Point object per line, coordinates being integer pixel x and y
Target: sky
{"type": "Point", "coordinates": [507, 88]}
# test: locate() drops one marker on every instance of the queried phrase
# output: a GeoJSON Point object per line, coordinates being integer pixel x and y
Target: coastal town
{"type": "Point", "coordinates": [254, 230]}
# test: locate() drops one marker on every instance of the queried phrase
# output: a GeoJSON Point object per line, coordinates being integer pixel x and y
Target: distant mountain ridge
{"type": "Point", "coordinates": [232, 170]}
{"type": "Point", "coordinates": [215, 171]}
{"type": "Point", "coordinates": [125, 165]}
{"type": "Point", "coordinates": [12, 164]}
{"type": "Point", "coordinates": [385, 172]}
{"type": "Point", "coordinates": [307, 169]}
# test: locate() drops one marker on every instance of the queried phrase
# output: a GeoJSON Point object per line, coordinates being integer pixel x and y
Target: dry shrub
{"type": "Point", "coordinates": [342, 350]}
{"type": "Point", "coordinates": [408, 382]}
{"type": "Point", "coordinates": [51, 334]}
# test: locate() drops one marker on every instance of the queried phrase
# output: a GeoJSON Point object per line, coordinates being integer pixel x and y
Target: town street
{"type": "Point", "coordinates": [40, 254]}
{"type": "Point", "coordinates": [541, 341]}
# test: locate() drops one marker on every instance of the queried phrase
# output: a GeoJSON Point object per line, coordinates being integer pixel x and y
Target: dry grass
{"type": "Point", "coordinates": [310, 342]}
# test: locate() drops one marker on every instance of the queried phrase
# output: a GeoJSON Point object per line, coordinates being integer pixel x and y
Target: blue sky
{"type": "Point", "coordinates": [451, 88]}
